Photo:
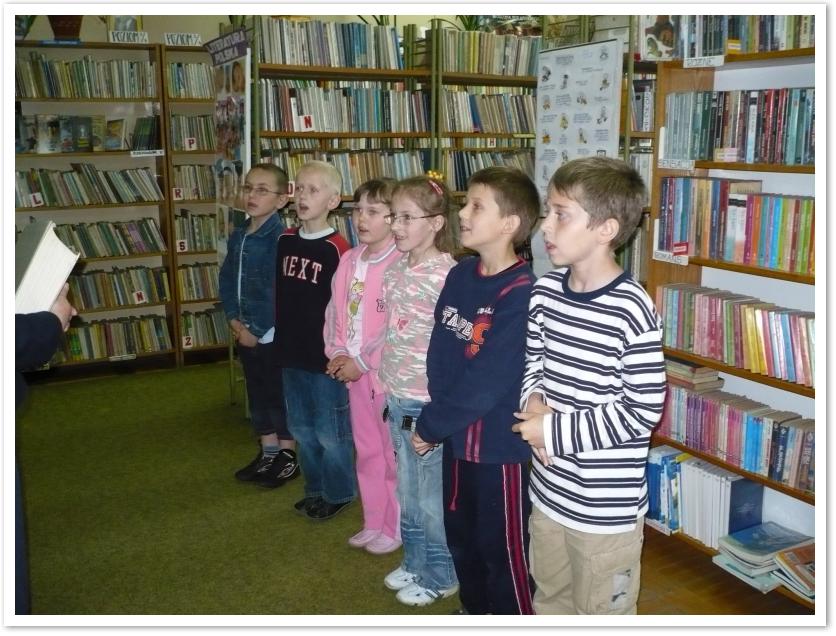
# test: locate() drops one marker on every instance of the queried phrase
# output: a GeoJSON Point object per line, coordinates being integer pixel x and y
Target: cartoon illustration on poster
{"type": "Point", "coordinates": [578, 112]}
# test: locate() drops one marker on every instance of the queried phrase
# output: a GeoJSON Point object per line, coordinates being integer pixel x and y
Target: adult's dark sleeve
{"type": "Point", "coordinates": [37, 336]}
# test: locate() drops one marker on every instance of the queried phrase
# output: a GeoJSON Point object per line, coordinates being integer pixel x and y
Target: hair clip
{"type": "Point", "coordinates": [434, 176]}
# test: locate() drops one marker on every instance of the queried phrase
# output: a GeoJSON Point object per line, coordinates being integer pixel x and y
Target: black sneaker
{"type": "Point", "coordinates": [326, 510]}
{"type": "Point", "coordinates": [284, 467]}
{"type": "Point", "coordinates": [251, 470]}
{"type": "Point", "coordinates": [303, 505]}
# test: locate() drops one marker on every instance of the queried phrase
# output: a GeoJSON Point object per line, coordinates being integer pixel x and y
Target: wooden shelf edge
{"type": "Point", "coordinates": [742, 373]}
{"type": "Point", "coordinates": [807, 279]}
{"type": "Point", "coordinates": [329, 72]}
{"type": "Point", "coordinates": [755, 167]}
{"type": "Point", "coordinates": [100, 310]}
{"type": "Point", "coordinates": [74, 208]}
{"type": "Point", "coordinates": [144, 354]}
{"type": "Point", "coordinates": [806, 497]}
{"type": "Point", "coordinates": [479, 79]}
{"type": "Point", "coordinates": [347, 135]}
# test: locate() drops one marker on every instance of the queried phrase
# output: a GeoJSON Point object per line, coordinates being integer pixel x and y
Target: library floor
{"type": "Point", "coordinates": [132, 509]}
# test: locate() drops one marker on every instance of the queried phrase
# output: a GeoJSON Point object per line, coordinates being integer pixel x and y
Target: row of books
{"type": "Point", "coordinates": [46, 134]}
{"type": "Point", "coordinates": [768, 555]}
{"type": "Point", "coordinates": [122, 337]}
{"type": "Point", "coordinates": [643, 99]}
{"type": "Point", "coordinates": [498, 112]}
{"type": "Point", "coordinates": [774, 125]}
{"type": "Point", "coordinates": [190, 80]}
{"type": "Point", "coordinates": [84, 78]}
{"type": "Point", "coordinates": [358, 167]}
{"type": "Point", "coordinates": [488, 53]}
{"type": "Point", "coordinates": [195, 232]}
{"type": "Point", "coordinates": [459, 166]}
{"type": "Point", "coordinates": [328, 44]}
{"type": "Point", "coordinates": [198, 281]}
{"type": "Point", "coordinates": [103, 239]}
{"type": "Point", "coordinates": [695, 36]}
{"type": "Point", "coordinates": [197, 181]}
{"type": "Point", "coordinates": [723, 219]}
{"type": "Point", "coordinates": [632, 256]}
{"type": "Point", "coordinates": [759, 33]}
{"type": "Point", "coordinates": [740, 331]}
{"type": "Point", "coordinates": [146, 134]}
{"type": "Point", "coordinates": [204, 328]}
{"type": "Point", "coordinates": [641, 158]}
{"type": "Point", "coordinates": [342, 108]}
{"type": "Point", "coordinates": [119, 287]}
{"type": "Point", "coordinates": [84, 184]}
{"type": "Point", "coordinates": [193, 132]}
{"type": "Point", "coordinates": [742, 432]}
{"type": "Point", "coordinates": [690, 495]}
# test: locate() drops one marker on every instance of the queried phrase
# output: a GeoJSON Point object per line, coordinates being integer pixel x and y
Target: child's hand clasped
{"type": "Point", "coordinates": [344, 369]}
{"type": "Point", "coordinates": [531, 430]}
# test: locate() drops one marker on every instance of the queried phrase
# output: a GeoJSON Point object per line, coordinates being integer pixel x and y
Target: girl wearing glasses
{"type": "Point", "coordinates": [420, 221]}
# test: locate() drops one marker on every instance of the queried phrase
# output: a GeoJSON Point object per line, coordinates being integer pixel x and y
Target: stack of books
{"type": "Point", "coordinates": [750, 554]}
{"type": "Point", "coordinates": [692, 377]}
{"type": "Point", "coordinates": [797, 570]}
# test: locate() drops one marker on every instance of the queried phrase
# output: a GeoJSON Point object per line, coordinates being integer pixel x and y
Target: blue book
{"type": "Point", "coordinates": [776, 227]}
{"type": "Point", "coordinates": [789, 358]}
{"type": "Point", "coordinates": [758, 544]}
{"type": "Point", "coordinates": [745, 504]}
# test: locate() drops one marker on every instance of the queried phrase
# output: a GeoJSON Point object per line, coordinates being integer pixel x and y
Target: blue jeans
{"type": "Point", "coordinates": [317, 417]}
{"type": "Point", "coordinates": [425, 552]}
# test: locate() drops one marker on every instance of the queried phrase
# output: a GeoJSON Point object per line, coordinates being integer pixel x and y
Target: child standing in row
{"type": "Point", "coordinates": [317, 404]}
{"type": "Point", "coordinates": [355, 323]}
{"type": "Point", "coordinates": [421, 227]}
{"type": "Point", "coordinates": [594, 366]}
{"type": "Point", "coordinates": [474, 367]}
{"type": "Point", "coordinates": [247, 290]}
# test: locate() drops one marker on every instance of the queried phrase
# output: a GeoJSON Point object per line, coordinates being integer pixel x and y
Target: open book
{"type": "Point", "coordinates": [42, 265]}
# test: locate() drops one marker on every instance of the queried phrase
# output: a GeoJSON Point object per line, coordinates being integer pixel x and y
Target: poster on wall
{"type": "Point", "coordinates": [578, 113]}
{"type": "Point", "coordinates": [231, 71]}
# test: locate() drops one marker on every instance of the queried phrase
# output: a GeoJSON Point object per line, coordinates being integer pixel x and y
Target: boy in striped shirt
{"type": "Point", "coordinates": [593, 390]}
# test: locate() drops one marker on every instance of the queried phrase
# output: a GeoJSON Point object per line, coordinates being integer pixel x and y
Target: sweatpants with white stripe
{"type": "Point", "coordinates": [486, 510]}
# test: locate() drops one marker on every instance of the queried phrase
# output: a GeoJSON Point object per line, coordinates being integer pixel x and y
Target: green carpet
{"type": "Point", "coordinates": [132, 508]}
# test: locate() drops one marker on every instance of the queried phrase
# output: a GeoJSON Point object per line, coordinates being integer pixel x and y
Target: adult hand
{"type": "Point", "coordinates": [63, 309]}
{"type": "Point", "coordinates": [246, 338]}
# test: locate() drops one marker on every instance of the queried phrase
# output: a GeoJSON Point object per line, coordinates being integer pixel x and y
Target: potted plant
{"type": "Point", "coordinates": [23, 23]}
{"type": "Point", "coordinates": [65, 27]}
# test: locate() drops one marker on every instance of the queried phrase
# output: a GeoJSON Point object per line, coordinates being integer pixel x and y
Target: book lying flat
{"type": "Point", "coordinates": [798, 565]}
{"type": "Point", "coordinates": [758, 544]}
{"type": "Point", "coordinates": [763, 582]}
{"type": "Point", "coordinates": [42, 265]}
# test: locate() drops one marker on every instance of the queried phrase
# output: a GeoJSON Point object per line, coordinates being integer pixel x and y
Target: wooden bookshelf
{"type": "Point", "coordinates": [673, 77]}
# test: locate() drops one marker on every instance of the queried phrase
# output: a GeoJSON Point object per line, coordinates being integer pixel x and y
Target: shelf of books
{"type": "Point", "coordinates": [190, 89]}
{"type": "Point", "coordinates": [341, 93]}
{"type": "Point", "coordinates": [732, 270]}
{"type": "Point", "coordinates": [484, 91]}
{"type": "Point", "coordinates": [90, 155]}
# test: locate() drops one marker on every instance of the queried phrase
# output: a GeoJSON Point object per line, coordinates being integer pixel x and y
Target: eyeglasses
{"type": "Point", "coordinates": [406, 219]}
{"type": "Point", "coordinates": [259, 191]}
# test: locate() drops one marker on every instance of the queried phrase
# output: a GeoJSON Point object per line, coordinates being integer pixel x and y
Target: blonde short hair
{"type": "Point", "coordinates": [332, 176]}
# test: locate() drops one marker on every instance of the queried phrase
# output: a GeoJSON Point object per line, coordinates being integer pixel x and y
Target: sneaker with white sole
{"type": "Point", "coordinates": [382, 544]}
{"type": "Point", "coordinates": [418, 596]}
{"type": "Point", "coordinates": [363, 537]}
{"type": "Point", "coordinates": [399, 579]}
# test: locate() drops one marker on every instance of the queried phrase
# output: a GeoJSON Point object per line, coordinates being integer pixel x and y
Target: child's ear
{"type": "Point", "coordinates": [283, 199]}
{"type": "Point", "coordinates": [608, 230]}
{"type": "Point", "coordinates": [511, 224]}
{"type": "Point", "coordinates": [334, 201]}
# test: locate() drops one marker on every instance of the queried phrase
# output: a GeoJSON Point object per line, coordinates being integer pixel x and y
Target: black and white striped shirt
{"type": "Point", "coordinates": [597, 360]}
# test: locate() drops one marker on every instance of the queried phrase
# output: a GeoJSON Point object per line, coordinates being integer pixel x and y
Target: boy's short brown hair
{"type": "Point", "coordinates": [379, 190]}
{"type": "Point", "coordinates": [279, 175]}
{"type": "Point", "coordinates": [515, 194]}
{"type": "Point", "coordinates": [606, 188]}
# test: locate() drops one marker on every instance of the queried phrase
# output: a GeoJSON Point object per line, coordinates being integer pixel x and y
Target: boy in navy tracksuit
{"type": "Point", "coordinates": [475, 365]}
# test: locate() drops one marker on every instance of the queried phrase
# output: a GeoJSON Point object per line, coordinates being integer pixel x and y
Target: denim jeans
{"type": "Point", "coordinates": [420, 497]}
{"type": "Point", "coordinates": [317, 417]}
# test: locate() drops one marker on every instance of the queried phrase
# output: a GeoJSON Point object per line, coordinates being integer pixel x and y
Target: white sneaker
{"type": "Point", "coordinates": [417, 596]}
{"type": "Point", "coordinates": [399, 579]}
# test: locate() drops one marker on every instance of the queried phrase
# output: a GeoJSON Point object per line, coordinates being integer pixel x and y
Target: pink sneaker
{"type": "Point", "coordinates": [363, 537]}
{"type": "Point", "coordinates": [383, 545]}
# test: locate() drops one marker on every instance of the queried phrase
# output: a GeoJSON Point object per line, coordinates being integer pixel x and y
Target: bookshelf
{"type": "Point", "coordinates": [342, 93]}
{"type": "Point", "coordinates": [189, 101]}
{"type": "Point", "coordinates": [781, 288]}
{"type": "Point", "coordinates": [81, 107]}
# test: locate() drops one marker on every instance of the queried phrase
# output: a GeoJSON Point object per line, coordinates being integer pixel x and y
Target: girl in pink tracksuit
{"type": "Point", "coordinates": [355, 325]}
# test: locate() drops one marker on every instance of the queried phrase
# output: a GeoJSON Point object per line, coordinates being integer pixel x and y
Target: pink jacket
{"type": "Point", "coordinates": [374, 307]}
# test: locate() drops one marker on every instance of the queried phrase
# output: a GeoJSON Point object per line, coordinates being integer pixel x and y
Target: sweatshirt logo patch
{"type": "Point", "coordinates": [472, 332]}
